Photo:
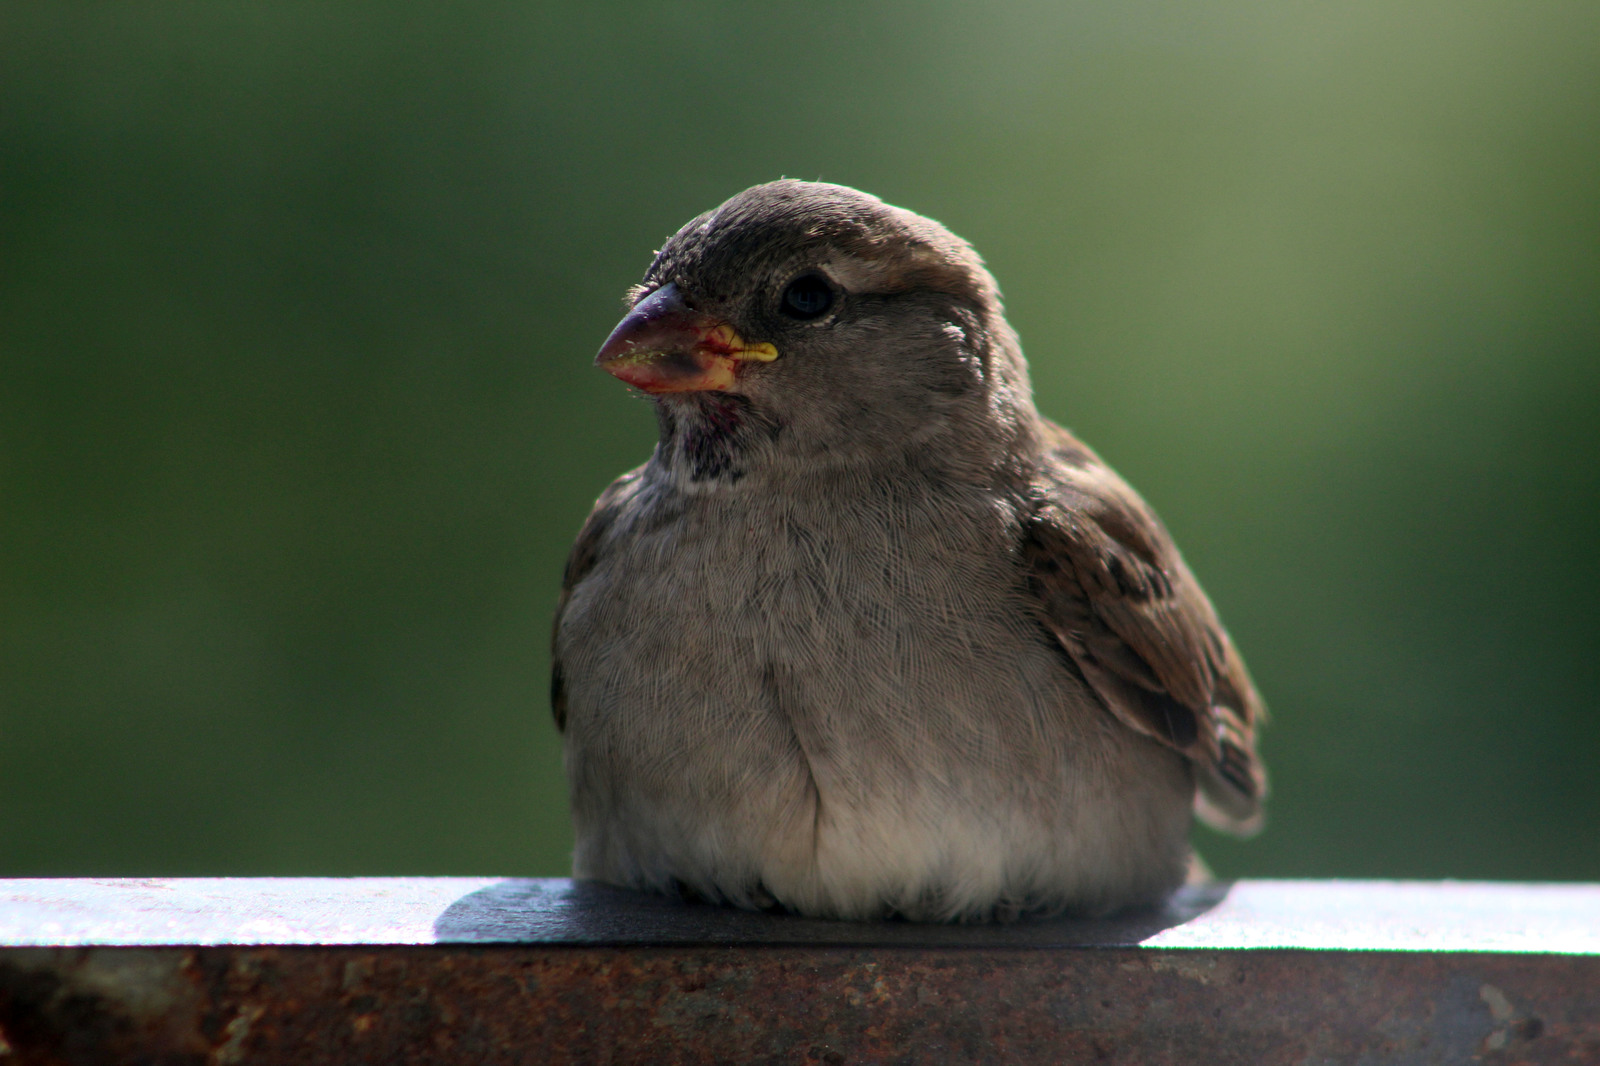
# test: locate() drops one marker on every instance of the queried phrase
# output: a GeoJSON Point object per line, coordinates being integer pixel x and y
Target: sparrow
{"type": "Point", "coordinates": [867, 636]}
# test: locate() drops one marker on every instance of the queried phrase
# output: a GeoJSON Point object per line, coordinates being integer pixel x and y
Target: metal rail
{"type": "Point", "coordinates": [490, 970]}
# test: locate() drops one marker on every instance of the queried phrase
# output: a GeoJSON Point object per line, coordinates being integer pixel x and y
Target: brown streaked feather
{"type": "Point", "coordinates": [580, 560]}
{"type": "Point", "coordinates": [1116, 594]}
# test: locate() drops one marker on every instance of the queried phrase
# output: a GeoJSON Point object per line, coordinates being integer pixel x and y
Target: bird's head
{"type": "Point", "coordinates": [804, 323]}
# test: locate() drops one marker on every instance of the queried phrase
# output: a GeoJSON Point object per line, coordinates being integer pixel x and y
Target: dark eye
{"type": "Point", "coordinates": [807, 296]}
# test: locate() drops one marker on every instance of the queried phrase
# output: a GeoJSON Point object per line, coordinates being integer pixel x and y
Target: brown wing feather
{"type": "Point", "coordinates": [1114, 591]}
{"type": "Point", "coordinates": [580, 560]}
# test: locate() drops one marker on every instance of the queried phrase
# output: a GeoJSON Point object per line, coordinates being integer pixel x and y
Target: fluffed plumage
{"type": "Point", "coordinates": [867, 635]}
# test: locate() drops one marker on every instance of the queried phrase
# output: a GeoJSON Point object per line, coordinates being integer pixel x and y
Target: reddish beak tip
{"type": "Point", "coordinates": [663, 345]}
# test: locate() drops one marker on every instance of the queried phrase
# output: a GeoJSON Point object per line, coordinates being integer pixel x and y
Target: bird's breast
{"type": "Point", "coordinates": [828, 696]}
{"type": "Point", "coordinates": [881, 638]}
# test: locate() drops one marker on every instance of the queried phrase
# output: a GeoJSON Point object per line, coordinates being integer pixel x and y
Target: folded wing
{"type": "Point", "coordinates": [1112, 588]}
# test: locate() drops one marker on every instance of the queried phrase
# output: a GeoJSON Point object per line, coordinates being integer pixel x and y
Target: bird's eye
{"type": "Point", "coordinates": [807, 296]}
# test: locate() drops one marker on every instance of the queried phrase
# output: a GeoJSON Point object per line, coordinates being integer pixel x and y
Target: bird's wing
{"type": "Point", "coordinates": [1114, 591]}
{"type": "Point", "coordinates": [585, 552]}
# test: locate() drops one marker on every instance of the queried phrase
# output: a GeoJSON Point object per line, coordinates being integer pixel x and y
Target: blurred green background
{"type": "Point", "coordinates": [297, 417]}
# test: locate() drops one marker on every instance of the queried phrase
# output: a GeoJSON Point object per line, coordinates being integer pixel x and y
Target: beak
{"type": "Point", "coordinates": [664, 346]}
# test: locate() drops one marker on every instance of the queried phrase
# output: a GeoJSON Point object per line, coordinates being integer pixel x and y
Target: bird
{"type": "Point", "coordinates": [867, 637]}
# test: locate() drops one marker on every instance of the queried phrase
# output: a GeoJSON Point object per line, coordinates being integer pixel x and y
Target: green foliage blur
{"type": "Point", "coordinates": [297, 417]}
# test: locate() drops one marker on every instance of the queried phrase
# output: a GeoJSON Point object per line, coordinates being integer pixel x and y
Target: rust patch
{"type": "Point", "coordinates": [799, 1004]}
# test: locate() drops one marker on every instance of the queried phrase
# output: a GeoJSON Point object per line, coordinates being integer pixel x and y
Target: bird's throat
{"type": "Point", "coordinates": [710, 436]}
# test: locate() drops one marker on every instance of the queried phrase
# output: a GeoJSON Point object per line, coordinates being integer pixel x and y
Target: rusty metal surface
{"type": "Point", "coordinates": [456, 970]}
{"type": "Point", "coordinates": [1356, 915]}
{"type": "Point", "coordinates": [795, 1004]}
